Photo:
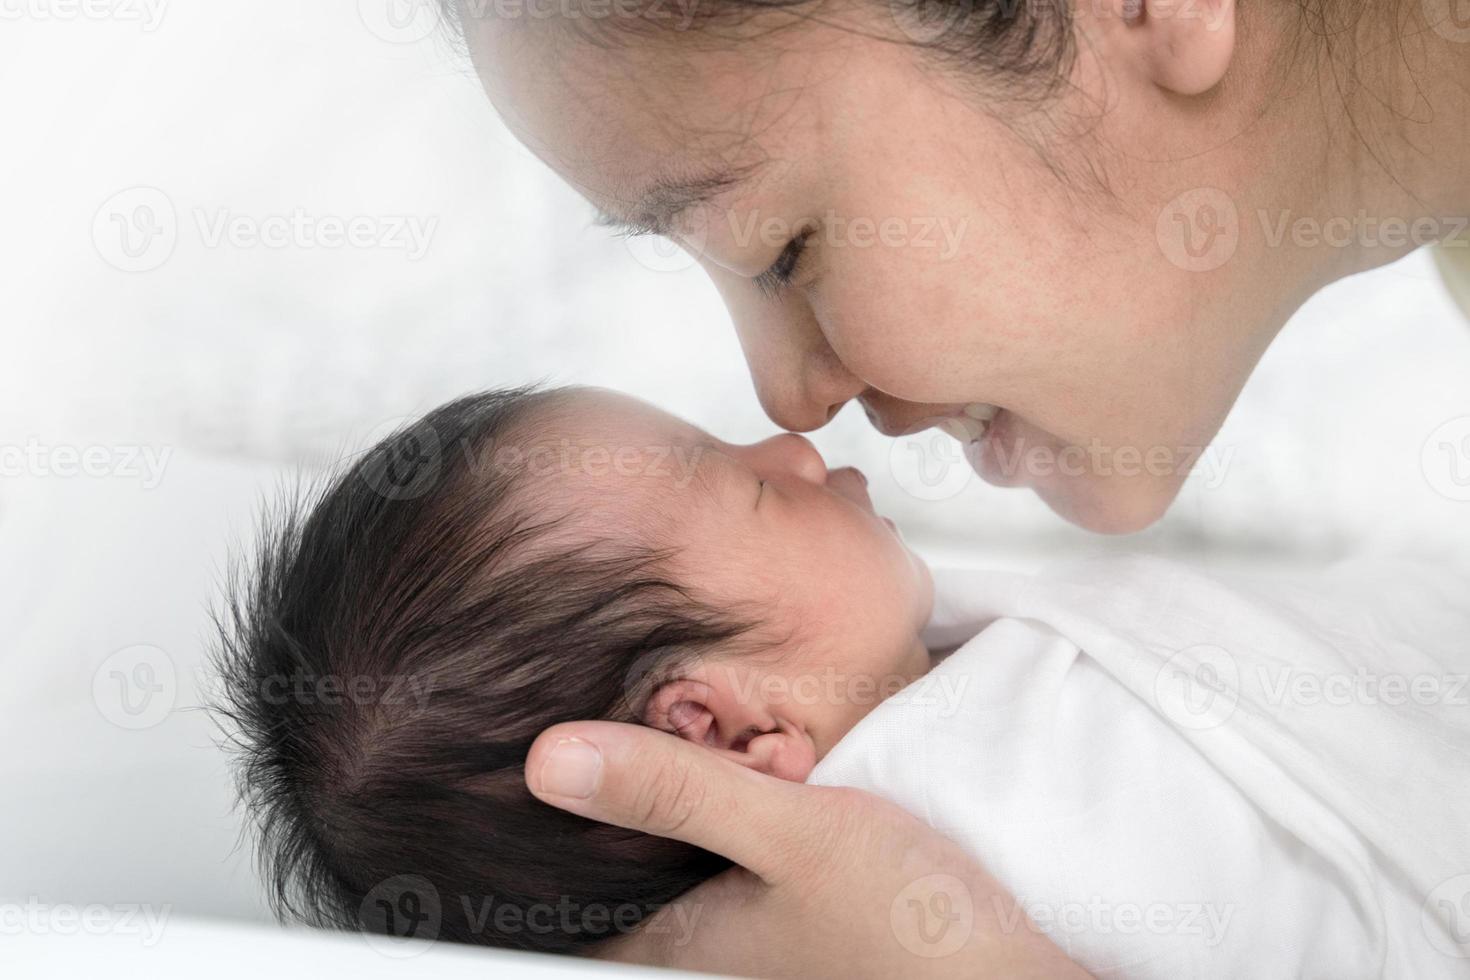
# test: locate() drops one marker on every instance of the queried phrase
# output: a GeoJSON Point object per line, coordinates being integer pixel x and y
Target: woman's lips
{"type": "Point", "coordinates": [963, 428]}
{"type": "Point", "coordinates": [987, 454]}
{"type": "Point", "coordinates": [1002, 457]}
{"type": "Point", "coordinates": [970, 428]}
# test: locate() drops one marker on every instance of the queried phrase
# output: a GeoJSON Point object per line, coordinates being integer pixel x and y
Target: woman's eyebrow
{"type": "Point", "coordinates": [657, 207]}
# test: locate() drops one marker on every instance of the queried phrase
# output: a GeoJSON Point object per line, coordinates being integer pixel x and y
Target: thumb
{"type": "Point", "coordinates": [648, 780]}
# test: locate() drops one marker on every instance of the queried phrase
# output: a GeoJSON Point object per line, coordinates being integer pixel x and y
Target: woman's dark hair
{"type": "Point", "coordinates": [1014, 41]}
{"type": "Point", "coordinates": [401, 639]}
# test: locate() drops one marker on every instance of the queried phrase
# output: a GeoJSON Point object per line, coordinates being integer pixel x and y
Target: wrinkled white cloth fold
{"type": "Point", "coordinates": [1179, 776]}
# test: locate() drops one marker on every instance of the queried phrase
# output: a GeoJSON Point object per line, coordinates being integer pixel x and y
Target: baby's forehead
{"type": "Point", "coordinates": [614, 448]}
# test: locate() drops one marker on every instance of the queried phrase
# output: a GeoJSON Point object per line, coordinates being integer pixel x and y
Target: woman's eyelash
{"type": "Point", "coordinates": [622, 227]}
{"type": "Point", "coordinates": [780, 274]}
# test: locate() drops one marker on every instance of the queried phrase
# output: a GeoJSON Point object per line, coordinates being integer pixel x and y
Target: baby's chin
{"type": "Point", "coordinates": [916, 577]}
{"type": "Point", "coordinates": [923, 587]}
{"type": "Point", "coordinates": [926, 590]}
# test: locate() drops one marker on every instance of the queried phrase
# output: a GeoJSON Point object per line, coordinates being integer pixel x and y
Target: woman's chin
{"type": "Point", "coordinates": [1107, 506]}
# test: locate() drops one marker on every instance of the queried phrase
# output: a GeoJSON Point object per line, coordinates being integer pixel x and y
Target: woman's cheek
{"type": "Point", "coordinates": [907, 339]}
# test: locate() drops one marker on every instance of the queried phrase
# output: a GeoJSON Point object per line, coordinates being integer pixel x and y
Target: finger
{"type": "Point", "coordinates": [649, 780]}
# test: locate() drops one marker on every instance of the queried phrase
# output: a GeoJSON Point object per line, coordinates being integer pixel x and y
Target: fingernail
{"type": "Point", "coordinates": [573, 768]}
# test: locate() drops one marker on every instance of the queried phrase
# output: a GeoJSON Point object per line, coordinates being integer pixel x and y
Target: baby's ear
{"type": "Point", "coordinates": [741, 729]}
{"type": "Point", "coordinates": [683, 708]}
{"type": "Point", "coordinates": [783, 752]}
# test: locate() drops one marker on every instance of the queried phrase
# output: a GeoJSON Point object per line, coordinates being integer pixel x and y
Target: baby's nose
{"type": "Point", "coordinates": [794, 455]}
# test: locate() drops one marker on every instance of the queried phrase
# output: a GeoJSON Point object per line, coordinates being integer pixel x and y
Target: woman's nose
{"type": "Point", "coordinates": [804, 394]}
{"type": "Point", "coordinates": [798, 377]}
{"type": "Point", "coordinates": [785, 455]}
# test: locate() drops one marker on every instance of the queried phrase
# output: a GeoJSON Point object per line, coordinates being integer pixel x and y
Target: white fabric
{"type": "Point", "coordinates": [1453, 258]}
{"type": "Point", "coordinates": [1135, 749]}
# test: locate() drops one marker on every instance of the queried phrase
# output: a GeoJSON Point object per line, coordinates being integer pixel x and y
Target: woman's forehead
{"type": "Point", "coordinates": [618, 121]}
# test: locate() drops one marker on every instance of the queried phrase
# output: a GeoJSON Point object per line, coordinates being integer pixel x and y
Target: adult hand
{"type": "Point", "coordinates": [829, 881]}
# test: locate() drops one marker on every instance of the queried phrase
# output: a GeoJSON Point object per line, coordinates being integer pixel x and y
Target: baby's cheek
{"type": "Point", "coordinates": [923, 589]}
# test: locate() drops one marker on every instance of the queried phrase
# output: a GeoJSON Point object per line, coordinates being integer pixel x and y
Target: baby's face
{"type": "Point", "coordinates": [763, 529]}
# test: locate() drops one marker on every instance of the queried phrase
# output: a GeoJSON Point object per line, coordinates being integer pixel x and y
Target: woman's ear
{"type": "Point", "coordinates": [730, 721]}
{"type": "Point", "coordinates": [1182, 46]}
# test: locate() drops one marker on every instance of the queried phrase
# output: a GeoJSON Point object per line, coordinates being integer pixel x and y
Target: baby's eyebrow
{"type": "Point", "coordinates": [713, 477]}
{"type": "Point", "coordinates": [657, 207]}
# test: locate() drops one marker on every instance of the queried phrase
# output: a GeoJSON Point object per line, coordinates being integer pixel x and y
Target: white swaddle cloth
{"type": "Point", "coordinates": [1177, 777]}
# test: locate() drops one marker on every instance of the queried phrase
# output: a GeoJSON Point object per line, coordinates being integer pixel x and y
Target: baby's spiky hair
{"type": "Point", "coordinates": [388, 658]}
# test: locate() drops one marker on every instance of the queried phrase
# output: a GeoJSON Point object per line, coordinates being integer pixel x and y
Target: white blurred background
{"type": "Point", "coordinates": [163, 367]}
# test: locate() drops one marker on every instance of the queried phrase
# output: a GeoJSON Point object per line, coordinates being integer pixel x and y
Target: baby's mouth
{"type": "Point", "coordinates": [860, 494]}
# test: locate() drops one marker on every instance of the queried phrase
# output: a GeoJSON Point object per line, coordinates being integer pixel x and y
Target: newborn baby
{"type": "Point", "coordinates": [1127, 745]}
{"type": "Point", "coordinates": [521, 558]}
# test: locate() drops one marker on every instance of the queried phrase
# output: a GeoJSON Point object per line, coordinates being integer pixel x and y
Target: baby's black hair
{"type": "Point", "coordinates": [400, 640]}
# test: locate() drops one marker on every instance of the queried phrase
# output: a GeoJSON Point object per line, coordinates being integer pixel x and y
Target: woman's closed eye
{"type": "Point", "coordinates": [783, 270]}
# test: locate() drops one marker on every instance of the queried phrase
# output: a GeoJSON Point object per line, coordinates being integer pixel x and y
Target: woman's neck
{"type": "Point", "coordinates": [1395, 93]}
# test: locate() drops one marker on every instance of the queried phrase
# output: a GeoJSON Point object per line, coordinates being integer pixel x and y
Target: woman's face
{"type": "Point", "coordinates": [877, 234]}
